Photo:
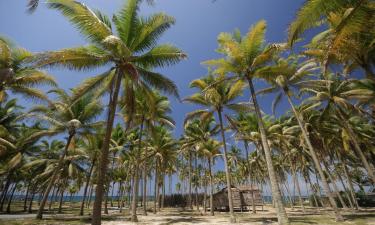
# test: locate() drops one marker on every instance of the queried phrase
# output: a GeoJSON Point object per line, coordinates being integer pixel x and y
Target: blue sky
{"type": "Point", "coordinates": [198, 22]}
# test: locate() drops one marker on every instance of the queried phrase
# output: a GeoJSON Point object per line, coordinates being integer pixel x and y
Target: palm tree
{"type": "Point", "coordinates": [131, 55]}
{"type": "Point", "coordinates": [66, 115]}
{"type": "Point", "coordinates": [17, 76]}
{"type": "Point", "coordinates": [210, 149]}
{"type": "Point", "coordinates": [91, 144]}
{"type": "Point", "coordinates": [164, 150]}
{"type": "Point", "coordinates": [286, 75]}
{"type": "Point", "coordinates": [215, 96]}
{"type": "Point", "coordinates": [349, 34]}
{"type": "Point", "coordinates": [245, 57]}
{"type": "Point", "coordinates": [150, 109]}
{"type": "Point", "coordinates": [337, 94]}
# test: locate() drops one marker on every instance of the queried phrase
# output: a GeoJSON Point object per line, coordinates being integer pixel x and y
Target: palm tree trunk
{"type": "Point", "coordinates": [346, 191]}
{"type": "Point", "coordinates": [350, 183]}
{"type": "Point", "coordinates": [333, 181]}
{"type": "Point", "coordinates": [295, 178]}
{"type": "Point", "coordinates": [5, 191]}
{"type": "Point", "coordinates": [97, 209]}
{"type": "Point", "coordinates": [197, 178]}
{"type": "Point", "coordinates": [113, 188]}
{"type": "Point", "coordinates": [211, 187]}
{"type": "Point", "coordinates": [227, 170]}
{"type": "Point", "coordinates": [136, 177]}
{"type": "Point", "coordinates": [86, 186]}
{"type": "Point", "coordinates": [338, 216]}
{"type": "Point", "coordinates": [286, 185]}
{"type": "Point", "coordinates": [357, 147]}
{"type": "Point", "coordinates": [11, 197]}
{"type": "Point", "coordinates": [90, 196]}
{"type": "Point", "coordinates": [163, 192]}
{"type": "Point", "coordinates": [31, 201]}
{"type": "Point", "coordinates": [156, 189]}
{"type": "Point", "coordinates": [250, 180]}
{"type": "Point", "coordinates": [319, 191]}
{"type": "Point", "coordinates": [39, 215]}
{"type": "Point", "coordinates": [52, 198]}
{"type": "Point", "coordinates": [276, 195]}
{"type": "Point", "coordinates": [26, 196]}
{"type": "Point", "coordinates": [144, 188]}
{"type": "Point", "coordinates": [190, 182]}
{"type": "Point", "coordinates": [61, 200]}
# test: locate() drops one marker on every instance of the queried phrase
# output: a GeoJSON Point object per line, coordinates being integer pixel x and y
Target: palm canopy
{"type": "Point", "coordinates": [65, 114]}
{"type": "Point", "coordinates": [355, 16]}
{"type": "Point", "coordinates": [149, 107]}
{"type": "Point", "coordinates": [214, 95]}
{"type": "Point", "coordinates": [244, 56]}
{"type": "Point", "coordinates": [286, 76]}
{"type": "Point", "coordinates": [131, 52]}
{"type": "Point", "coordinates": [17, 76]}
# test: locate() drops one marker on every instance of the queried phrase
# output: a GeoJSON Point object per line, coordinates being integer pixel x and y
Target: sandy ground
{"type": "Point", "coordinates": [180, 217]}
{"type": "Point", "coordinates": [268, 216]}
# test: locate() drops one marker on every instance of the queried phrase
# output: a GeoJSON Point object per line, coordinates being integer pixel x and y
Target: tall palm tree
{"type": "Point", "coordinates": [215, 96]}
{"type": "Point", "coordinates": [150, 109]}
{"type": "Point", "coordinates": [334, 95]}
{"type": "Point", "coordinates": [244, 58]}
{"type": "Point", "coordinates": [72, 117]}
{"type": "Point", "coordinates": [131, 55]}
{"type": "Point", "coordinates": [163, 148]}
{"type": "Point", "coordinates": [286, 75]}
{"type": "Point", "coordinates": [210, 149]}
{"type": "Point", "coordinates": [17, 76]}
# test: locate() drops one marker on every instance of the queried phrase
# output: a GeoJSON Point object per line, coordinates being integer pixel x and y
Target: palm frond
{"type": "Point", "coordinates": [159, 82]}
{"type": "Point", "coordinates": [80, 58]}
{"type": "Point", "coordinates": [83, 18]}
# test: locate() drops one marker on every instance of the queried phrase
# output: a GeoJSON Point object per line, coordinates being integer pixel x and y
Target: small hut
{"type": "Point", "coordinates": [242, 198]}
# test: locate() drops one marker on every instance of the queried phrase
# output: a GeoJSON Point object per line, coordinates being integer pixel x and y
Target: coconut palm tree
{"type": "Point", "coordinates": [132, 54]}
{"type": "Point", "coordinates": [336, 94]}
{"type": "Point", "coordinates": [91, 144]}
{"type": "Point", "coordinates": [215, 96]}
{"type": "Point", "coordinates": [163, 148]}
{"type": "Point", "coordinates": [286, 75]}
{"type": "Point", "coordinates": [244, 58]}
{"type": "Point", "coordinates": [150, 109]}
{"type": "Point", "coordinates": [210, 149]}
{"type": "Point", "coordinates": [67, 115]}
{"type": "Point", "coordinates": [17, 76]}
{"type": "Point", "coordinates": [349, 36]}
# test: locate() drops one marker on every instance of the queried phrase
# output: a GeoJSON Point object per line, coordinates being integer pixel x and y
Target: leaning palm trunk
{"type": "Point", "coordinates": [295, 180]}
{"type": "Point", "coordinates": [357, 148]}
{"type": "Point", "coordinates": [338, 216]}
{"type": "Point", "coordinates": [136, 178]}
{"type": "Point", "coordinates": [39, 215]}
{"type": "Point", "coordinates": [61, 201]}
{"type": "Point", "coordinates": [350, 183]}
{"type": "Point", "coordinates": [335, 188]}
{"type": "Point", "coordinates": [97, 209]}
{"type": "Point", "coordinates": [276, 195]}
{"type": "Point", "coordinates": [86, 187]}
{"type": "Point", "coordinates": [11, 197]}
{"type": "Point", "coordinates": [227, 170]}
{"type": "Point", "coordinates": [211, 187]}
